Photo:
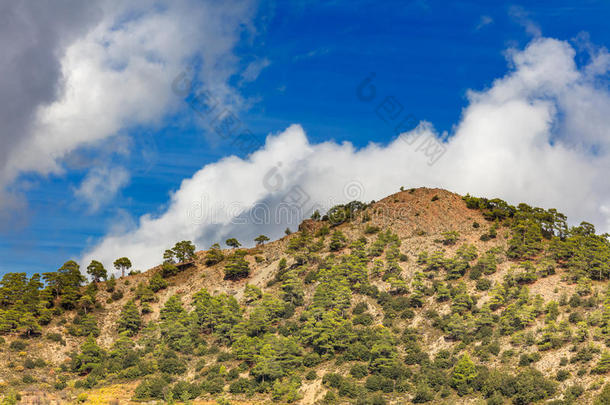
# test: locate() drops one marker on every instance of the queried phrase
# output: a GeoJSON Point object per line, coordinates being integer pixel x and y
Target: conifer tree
{"type": "Point", "coordinates": [261, 239]}
{"type": "Point", "coordinates": [214, 255]}
{"type": "Point", "coordinates": [232, 242]}
{"type": "Point", "coordinates": [97, 271]}
{"type": "Point", "coordinates": [464, 373]}
{"type": "Point", "coordinates": [237, 266]}
{"type": "Point", "coordinates": [122, 264]}
{"type": "Point", "coordinates": [91, 357]}
{"type": "Point", "coordinates": [130, 320]}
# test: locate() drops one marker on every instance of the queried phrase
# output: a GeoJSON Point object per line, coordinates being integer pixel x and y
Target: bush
{"type": "Point", "coordinates": [371, 229]}
{"type": "Point", "coordinates": [214, 255]}
{"type": "Point", "coordinates": [240, 386]}
{"type": "Point", "coordinates": [232, 374]}
{"type": "Point", "coordinates": [117, 295]}
{"type": "Point", "coordinates": [531, 386]}
{"type": "Point", "coordinates": [28, 379]}
{"type": "Point", "coordinates": [185, 391]}
{"type": "Point", "coordinates": [157, 282]}
{"type": "Point", "coordinates": [379, 383]}
{"type": "Point", "coordinates": [375, 399]}
{"type": "Point", "coordinates": [286, 390]}
{"type": "Point", "coordinates": [237, 267]}
{"type": "Point", "coordinates": [360, 308]}
{"type": "Point", "coordinates": [150, 388]}
{"type": "Point", "coordinates": [449, 238]}
{"type": "Point", "coordinates": [423, 393]}
{"type": "Point", "coordinates": [18, 345]}
{"type": "Point", "coordinates": [574, 391]}
{"type": "Point", "coordinates": [56, 337]}
{"type": "Point", "coordinates": [337, 241]}
{"type": "Point", "coordinates": [363, 319]}
{"type": "Point", "coordinates": [332, 380]}
{"type": "Point", "coordinates": [359, 371]}
{"type": "Point", "coordinates": [349, 388]}
{"type": "Point", "coordinates": [483, 284]}
{"type": "Point", "coordinates": [311, 375]}
{"type": "Point", "coordinates": [171, 364]}
{"type": "Point", "coordinates": [213, 385]}
{"type": "Point", "coordinates": [169, 270]}
{"type": "Point", "coordinates": [604, 396]}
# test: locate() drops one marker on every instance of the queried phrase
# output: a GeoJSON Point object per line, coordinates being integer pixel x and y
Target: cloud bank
{"type": "Point", "coordinates": [78, 73]}
{"type": "Point", "coordinates": [540, 134]}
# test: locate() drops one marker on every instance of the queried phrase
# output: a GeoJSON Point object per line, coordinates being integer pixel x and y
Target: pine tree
{"type": "Point", "coordinates": [261, 239]}
{"type": "Point", "coordinates": [130, 320]}
{"type": "Point", "coordinates": [157, 283]}
{"type": "Point", "coordinates": [604, 396]}
{"type": "Point", "coordinates": [91, 357]}
{"type": "Point", "coordinates": [122, 264]}
{"type": "Point", "coordinates": [232, 242]}
{"type": "Point", "coordinates": [184, 251]}
{"type": "Point", "coordinates": [214, 255]}
{"type": "Point", "coordinates": [28, 325]}
{"type": "Point", "coordinates": [603, 366]}
{"type": "Point", "coordinates": [464, 373]}
{"type": "Point", "coordinates": [237, 267]}
{"type": "Point", "coordinates": [97, 271]}
{"type": "Point", "coordinates": [337, 241]}
{"type": "Point", "coordinates": [172, 309]}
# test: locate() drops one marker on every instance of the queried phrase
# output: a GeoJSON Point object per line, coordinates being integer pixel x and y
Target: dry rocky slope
{"type": "Point", "coordinates": [436, 333]}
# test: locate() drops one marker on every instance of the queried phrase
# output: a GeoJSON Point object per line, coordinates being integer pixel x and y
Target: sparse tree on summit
{"type": "Point", "coordinates": [122, 264]}
{"type": "Point", "coordinates": [181, 252]}
{"type": "Point", "coordinates": [261, 239]}
{"type": "Point", "coordinates": [184, 250]}
{"type": "Point", "coordinates": [214, 255]}
{"type": "Point", "coordinates": [97, 271]}
{"type": "Point", "coordinates": [232, 242]}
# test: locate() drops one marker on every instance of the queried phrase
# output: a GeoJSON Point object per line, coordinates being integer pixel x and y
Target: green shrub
{"type": "Point", "coordinates": [157, 282]}
{"type": "Point", "coordinates": [241, 386]}
{"type": "Point", "coordinates": [237, 267]}
{"type": "Point", "coordinates": [377, 382]}
{"type": "Point", "coordinates": [28, 379]}
{"type": "Point", "coordinates": [359, 371]}
{"type": "Point", "coordinates": [18, 345]}
{"type": "Point", "coordinates": [150, 388]}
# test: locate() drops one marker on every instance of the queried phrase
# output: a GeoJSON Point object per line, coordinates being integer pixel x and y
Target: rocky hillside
{"type": "Point", "coordinates": [423, 297]}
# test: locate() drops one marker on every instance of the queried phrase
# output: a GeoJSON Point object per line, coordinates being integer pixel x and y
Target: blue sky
{"type": "Point", "coordinates": [427, 54]}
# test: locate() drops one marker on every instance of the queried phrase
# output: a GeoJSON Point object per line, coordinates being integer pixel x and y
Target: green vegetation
{"type": "Point", "coordinates": [237, 267]}
{"type": "Point", "coordinates": [261, 239]}
{"type": "Point", "coordinates": [122, 264]}
{"type": "Point", "coordinates": [361, 309]}
{"type": "Point", "coordinates": [183, 251]}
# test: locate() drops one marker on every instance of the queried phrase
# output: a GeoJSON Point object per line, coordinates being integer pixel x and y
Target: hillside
{"type": "Point", "coordinates": [423, 297]}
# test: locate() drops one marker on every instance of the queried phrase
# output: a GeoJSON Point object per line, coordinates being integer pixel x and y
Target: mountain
{"type": "Point", "coordinates": [423, 297]}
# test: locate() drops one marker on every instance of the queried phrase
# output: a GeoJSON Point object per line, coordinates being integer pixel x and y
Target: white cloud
{"type": "Point", "coordinates": [529, 137]}
{"type": "Point", "coordinates": [484, 21]}
{"type": "Point", "coordinates": [101, 185]}
{"type": "Point", "coordinates": [118, 73]}
{"type": "Point", "coordinates": [254, 69]}
{"type": "Point", "coordinates": [521, 16]}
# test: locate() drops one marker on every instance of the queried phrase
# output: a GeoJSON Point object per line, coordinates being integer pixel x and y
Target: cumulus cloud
{"type": "Point", "coordinates": [33, 36]}
{"type": "Point", "coordinates": [81, 72]}
{"type": "Point", "coordinates": [101, 185]}
{"type": "Point", "coordinates": [539, 134]}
